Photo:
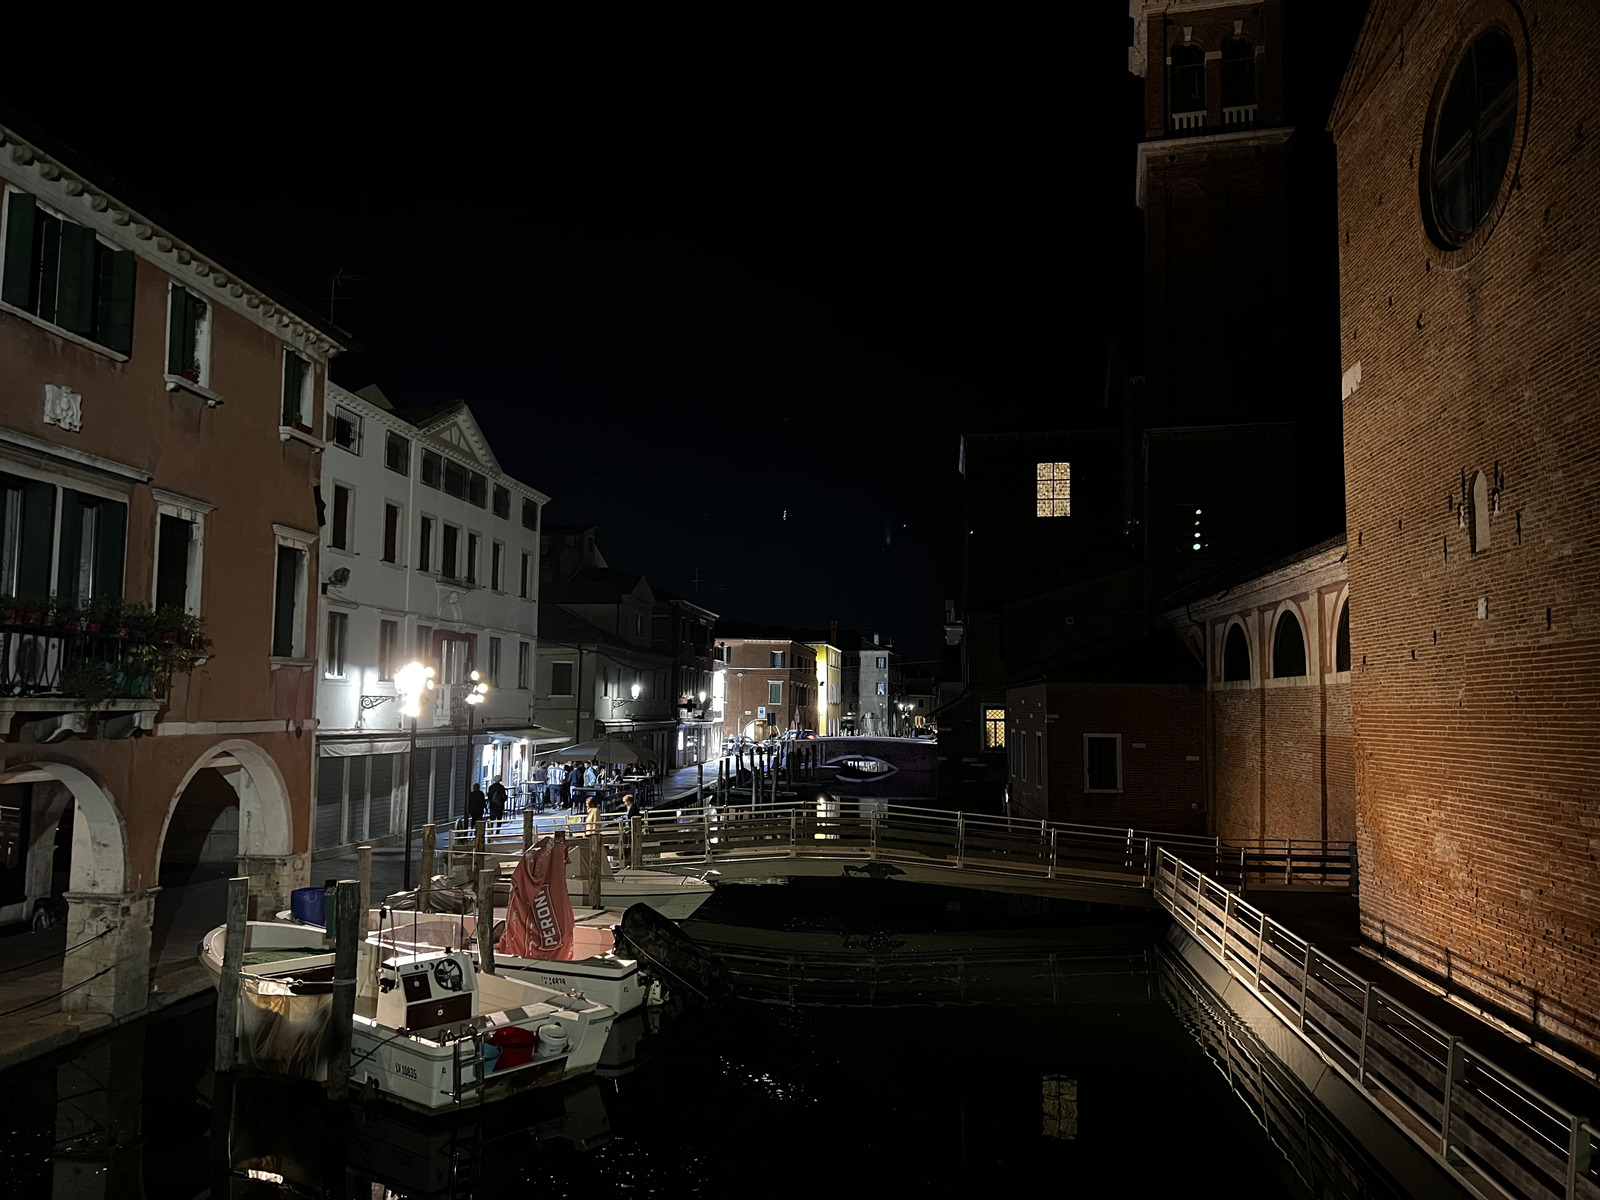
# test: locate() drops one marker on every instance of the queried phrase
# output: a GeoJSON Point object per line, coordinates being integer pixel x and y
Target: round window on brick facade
{"type": "Point", "coordinates": [1474, 128]}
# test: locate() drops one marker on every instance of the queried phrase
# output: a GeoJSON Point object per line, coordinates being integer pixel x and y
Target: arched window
{"type": "Point", "coordinates": [1472, 136]}
{"type": "Point", "coordinates": [1238, 75]}
{"type": "Point", "coordinates": [1288, 648]}
{"type": "Point", "coordinates": [1478, 513]}
{"type": "Point", "coordinates": [1235, 656]}
{"type": "Point", "coordinates": [1341, 640]}
{"type": "Point", "coordinates": [1188, 87]}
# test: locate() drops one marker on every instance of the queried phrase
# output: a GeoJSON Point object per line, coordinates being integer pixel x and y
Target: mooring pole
{"type": "Point", "coordinates": [527, 830]}
{"type": "Point", "coordinates": [364, 876]}
{"type": "Point", "coordinates": [486, 882]}
{"type": "Point", "coordinates": [425, 884]}
{"type": "Point", "coordinates": [700, 787]}
{"type": "Point", "coordinates": [478, 840]}
{"type": "Point", "coordinates": [232, 960]}
{"type": "Point", "coordinates": [345, 942]}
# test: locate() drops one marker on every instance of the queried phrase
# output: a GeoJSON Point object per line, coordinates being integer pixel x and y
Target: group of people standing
{"type": "Point", "coordinates": [560, 784]}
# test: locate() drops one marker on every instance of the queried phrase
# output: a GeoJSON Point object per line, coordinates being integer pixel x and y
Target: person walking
{"type": "Point", "coordinates": [558, 785]}
{"type": "Point", "coordinates": [497, 800]}
{"type": "Point", "coordinates": [477, 804]}
{"type": "Point", "coordinates": [633, 832]}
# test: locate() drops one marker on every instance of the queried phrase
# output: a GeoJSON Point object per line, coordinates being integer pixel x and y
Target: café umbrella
{"type": "Point", "coordinates": [608, 750]}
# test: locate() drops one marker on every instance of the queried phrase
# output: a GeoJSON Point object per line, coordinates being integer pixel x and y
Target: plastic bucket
{"type": "Point", "coordinates": [491, 1057]}
{"type": "Point", "coordinates": [309, 905]}
{"type": "Point", "coordinates": [515, 1044]}
{"type": "Point", "coordinates": [552, 1040]}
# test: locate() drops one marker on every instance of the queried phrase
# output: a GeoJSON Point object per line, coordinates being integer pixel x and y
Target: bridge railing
{"type": "Point", "coordinates": [1494, 1132]}
{"type": "Point", "coordinates": [975, 844]}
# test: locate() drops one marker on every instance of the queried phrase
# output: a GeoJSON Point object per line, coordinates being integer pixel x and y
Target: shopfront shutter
{"type": "Point", "coordinates": [330, 801]}
{"type": "Point", "coordinates": [356, 809]}
{"type": "Point", "coordinates": [461, 784]}
{"type": "Point", "coordinates": [75, 289]}
{"type": "Point", "coordinates": [421, 772]}
{"type": "Point", "coordinates": [381, 808]}
{"type": "Point", "coordinates": [114, 324]}
{"type": "Point", "coordinates": [441, 786]}
{"type": "Point", "coordinates": [18, 278]}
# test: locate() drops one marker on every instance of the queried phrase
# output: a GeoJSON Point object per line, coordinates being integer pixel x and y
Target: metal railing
{"type": "Point", "coordinates": [43, 661]}
{"type": "Point", "coordinates": [1495, 1133]}
{"type": "Point", "coordinates": [1189, 121]}
{"type": "Point", "coordinates": [865, 832]}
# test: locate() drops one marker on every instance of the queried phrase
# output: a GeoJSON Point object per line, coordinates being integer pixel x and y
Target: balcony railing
{"type": "Point", "coordinates": [1239, 114]}
{"type": "Point", "coordinates": [98, 665]}
{"type": "Point", "coordinates": [1189, 122]}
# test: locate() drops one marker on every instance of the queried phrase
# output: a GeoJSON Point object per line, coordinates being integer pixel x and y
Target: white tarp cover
{"type": "Point", "coordinates": [281, 1033]}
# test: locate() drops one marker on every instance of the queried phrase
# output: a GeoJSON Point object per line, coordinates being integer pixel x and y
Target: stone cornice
{"type": "Point", "coordinates": [82, 200]}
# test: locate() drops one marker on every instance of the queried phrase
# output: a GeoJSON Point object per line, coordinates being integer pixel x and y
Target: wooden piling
{"type": "Point", "coordinates": [596, 847]}
{"type": "Point", "coordinates": [486, 882]}
{"type": "Point", "coordinates": [364, 876]}
{"type": "Point", "coordinates": [425, 885]}
{"type": "Point", "coordinates": [478, 841]}
{"type": "Point", "coordinates": [346, 940]}
{"type": "Point", "coordinates": [700, 787]}
{"type": "Point", "coordinates": [232, 960]}
{"type": "Point", "coordinates": [527, 830]}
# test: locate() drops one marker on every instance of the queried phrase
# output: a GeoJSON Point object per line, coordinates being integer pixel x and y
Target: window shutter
{"type": "Point", "coordinates": [293, 373]}
{"type": "Point", "coordinates": [115, 328]}
{"type": "Point", "coordinates": [20, 210]}
{"type": "Point", "coordinates": [179, 336]}
{"type": "Point", "coordinates": [113, 549]}
{"type": "Point", "coordinates": [49, 265]}
{"type": "Point", "coordinates": [283, 615]}
{"type": "Point", "coordinates": [75, 292]}
{"type": "Point", "coordinates": [71, 540]}
{"type": "Point", "coordinates": [172, 563]}
{"type": "Point", "coordinates": [38, 526]}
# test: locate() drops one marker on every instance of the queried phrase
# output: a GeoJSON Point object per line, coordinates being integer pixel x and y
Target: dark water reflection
{"type": "Point", "coordinates": [751, 1099]}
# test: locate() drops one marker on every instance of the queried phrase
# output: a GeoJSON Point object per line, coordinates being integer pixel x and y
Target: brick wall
{"type": "Point", "coordinates": [1163, 737]}
{"type": "Point", "coordinates": [1475, 693]}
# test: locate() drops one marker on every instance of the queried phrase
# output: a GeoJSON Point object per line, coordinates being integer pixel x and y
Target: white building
{"type": "Point", "coordinates": [429, 551]}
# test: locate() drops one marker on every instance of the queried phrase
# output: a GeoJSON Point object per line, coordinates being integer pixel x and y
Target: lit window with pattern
{"type": "Point", "coordinates": [1053, 490]}
{"type": "Point", "coordinates": [994, 729]}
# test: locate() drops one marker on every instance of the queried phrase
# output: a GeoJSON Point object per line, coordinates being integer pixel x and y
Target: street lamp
{"type": "Point", "coordinates": [412, 682]}
{"type": "Point", "coordinates": [477, 692]}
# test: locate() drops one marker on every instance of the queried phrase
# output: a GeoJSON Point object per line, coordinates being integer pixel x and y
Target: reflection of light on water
{"type": "Point", "coordinates": [772, 1089]}
{"type": "Point", "coordinates": [1060, 1108]}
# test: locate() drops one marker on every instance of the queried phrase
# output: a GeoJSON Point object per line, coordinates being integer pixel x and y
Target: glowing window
{"type": "Point", "coordinates": [994, 729]}
{"type": "Point", "coordinates": [1053, 490]}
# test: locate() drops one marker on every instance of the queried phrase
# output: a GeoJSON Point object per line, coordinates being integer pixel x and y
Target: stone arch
{"type": "Point", "coordinates": [1291, 650]}
{"type": "Point", "coordinates": [99, 837]}
{"type": "Point", "coordinates": [266, 821]}
{"type": "Point", "coordinates": [1234, 638]}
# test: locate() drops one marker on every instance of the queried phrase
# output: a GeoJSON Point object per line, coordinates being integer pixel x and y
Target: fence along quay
{"type": "Point", "coordinates": [1494, 1133]}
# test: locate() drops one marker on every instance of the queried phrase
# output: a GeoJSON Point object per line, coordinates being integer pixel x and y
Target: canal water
{"type": "Point", "coordinates": [897, 1040]}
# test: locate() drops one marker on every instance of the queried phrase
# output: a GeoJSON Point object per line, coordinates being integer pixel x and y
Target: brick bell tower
{"type": "Point", "coordinates": [1211, 183]}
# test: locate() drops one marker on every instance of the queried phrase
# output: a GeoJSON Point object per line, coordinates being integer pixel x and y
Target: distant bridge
{"type": "Point", "coordinates": [922, 845]}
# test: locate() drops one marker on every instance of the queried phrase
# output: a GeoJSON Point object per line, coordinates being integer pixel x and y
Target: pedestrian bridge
{"type": "Point", "coordinates": [924, 845]}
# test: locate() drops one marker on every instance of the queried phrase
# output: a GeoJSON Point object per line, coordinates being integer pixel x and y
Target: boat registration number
{"type": "Point", "coordinates": [404, 1069]}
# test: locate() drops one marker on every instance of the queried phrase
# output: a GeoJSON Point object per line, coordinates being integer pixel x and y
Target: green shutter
{"type": "Point", "coordinates": [294, 369]}
{"type": "Point", "coordinates": [49, 265]}
{"type": "Point", "coordinates": [75, 294]}
{"type": "Point", "coordinates": [20, 209]}
{"type": "Point", "coordinates": [177, 328]}
{"type": "Point", "coordinates": [38, 532]}
{"type": "Point", "coordinates": [71, 542]}
{"type": "Point", "coordinates": [114, 321]}
{"type": "Point", "coordinates": [113, 549]}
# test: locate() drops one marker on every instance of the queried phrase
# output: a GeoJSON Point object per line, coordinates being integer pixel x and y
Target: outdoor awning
{"type": "Point", "coordinates": [531, 733]}
{"type": "Point", "coordinates": [356, 747]}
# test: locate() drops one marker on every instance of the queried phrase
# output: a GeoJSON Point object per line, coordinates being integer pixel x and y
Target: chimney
{"type": "Point", "coordinates": [833, 633]}
{"type": "Point", "coordinates": [874, 639]}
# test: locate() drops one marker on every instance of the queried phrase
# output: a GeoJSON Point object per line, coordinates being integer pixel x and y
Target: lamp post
{"type": "Point", "coordinates": [476, 693]}
{"type": "Point", "coordinates": [412, 682]}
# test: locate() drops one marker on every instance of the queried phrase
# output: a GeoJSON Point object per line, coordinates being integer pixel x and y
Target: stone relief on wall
{"type": "Point", "coordinates": [63, 407]}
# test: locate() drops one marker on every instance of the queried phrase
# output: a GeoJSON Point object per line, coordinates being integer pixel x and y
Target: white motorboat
{"type": "Point", "coordinates": [671, 895]}
{"type": "Point", "coordinates": [430, 1031]}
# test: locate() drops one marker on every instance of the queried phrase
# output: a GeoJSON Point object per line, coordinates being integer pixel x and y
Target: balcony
{"type": "Point", "coordinates": [1239, 115]}
{"type": "Point", "coordinates": [108, 659]}
{"type": "Point", "coordinates": [1189, 122]}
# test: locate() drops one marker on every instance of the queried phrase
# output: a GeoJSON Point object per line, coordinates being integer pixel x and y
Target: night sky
{"type": "Point", "coordinates": [729, 290]}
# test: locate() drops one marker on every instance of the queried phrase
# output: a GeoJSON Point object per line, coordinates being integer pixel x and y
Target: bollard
{"type": "Point", "coordinates": [425, 886]}
{"type": "Point", "coordinates": [486, 882]}
{"type": "Point", "coordinates": [232, 960]}
{"type": "Point", "coordinates": [364, 876]}
{"type": "Point", "coordinates": [345, 943]}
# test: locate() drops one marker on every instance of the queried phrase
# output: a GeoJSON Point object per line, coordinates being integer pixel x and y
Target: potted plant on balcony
{"type": "Point", "coordinates": [11, 610]}
{"type": "Point", "coordinates": [191, 370]}
{"type": "Point", "coordinates": [35, 609]}
{"type": "Point", "coordinates": [92, 683]}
